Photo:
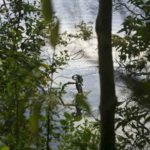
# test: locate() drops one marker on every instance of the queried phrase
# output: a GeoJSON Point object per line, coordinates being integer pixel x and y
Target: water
{"type": "Point", "coordinates": [71, 12]}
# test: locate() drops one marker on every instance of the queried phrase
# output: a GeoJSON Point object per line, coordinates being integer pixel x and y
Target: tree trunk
{"type": "Point", "coordinates": [108, 97]}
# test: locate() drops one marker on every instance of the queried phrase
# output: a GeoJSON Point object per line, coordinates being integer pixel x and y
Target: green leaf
{"type": "Point", "coordinates": [67, 115]}
{"type": "Point", "coordinates": [54, 37]}
{"type": "Point", "coordinates": [81, 100]}
{"type": "Point", "coordinates": [77, 118]}
{"type": "Point", "coordinates": [47, 10]}
{"type": "Point", "coordinates": [35, 117]}
{"type": "Point", "coordinates": [5, 148]}
{"type": "Point", "coordinates": [86, 135]}
{"type": "Point", "coordinates": [63, 122]}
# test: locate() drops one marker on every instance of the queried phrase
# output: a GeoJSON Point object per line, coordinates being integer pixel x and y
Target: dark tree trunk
{"type": "Point", "coordinates": [108, 98]}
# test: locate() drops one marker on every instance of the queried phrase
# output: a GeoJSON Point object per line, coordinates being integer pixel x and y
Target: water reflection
{"type": "Point", "coordinates": [71, 12]}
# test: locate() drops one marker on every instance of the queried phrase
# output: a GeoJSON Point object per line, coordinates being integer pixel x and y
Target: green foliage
{"type": "Point", "coordinates": [78, 133]}
{"type": "Point", "coordinates": [134, 46]}
{"type": "Point", "coordinates": [84, 31]}
{"type": "Point", "coordinates": [24, 76]}
{"type": "Point", "coordinates": [54, 37]}
{"type": "Point", "coordinates": [140, 90]}
{"type": "Point", "coordinates": [28, 102]}
{"type": "Point", "coordinates": [81, 100]}
{"type": "Point", "coordinates": [132, 125]}
{"type": "Point", "coordinates": [53, 26]}
{"type": "Point", "coordinates": [4, 148]}
{"type": "Point", "coordinates": [47, 10]}
{"type": "Point", "coordinates": [27, 98]}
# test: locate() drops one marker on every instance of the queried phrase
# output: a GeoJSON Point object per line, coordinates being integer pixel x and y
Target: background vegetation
{"type": "Point", "coordinates": [29, 101]}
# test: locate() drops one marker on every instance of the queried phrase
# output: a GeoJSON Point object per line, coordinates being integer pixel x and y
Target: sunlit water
{"type": "Point", "coordinates": [70, 13]}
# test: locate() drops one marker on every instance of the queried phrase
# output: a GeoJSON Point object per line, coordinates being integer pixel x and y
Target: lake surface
{"type": "Point", "coordinates": [70, 13]}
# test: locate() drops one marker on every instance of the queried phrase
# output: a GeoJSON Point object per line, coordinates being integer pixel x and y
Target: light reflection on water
{"type": "Point", "coordinates": [71, 12]}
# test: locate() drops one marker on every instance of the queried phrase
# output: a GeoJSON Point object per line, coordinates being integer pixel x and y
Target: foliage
{"type": "Point", "coordinates": [53, 25]}
{"type": "Point", "coordinates": [84, 31]}
{"type": "Point", "coordinates": [29, 118]}
{"type": "Point", "coordinates": [131, 126]}
{"type": "Point", "coordinates": [78, 134]}
{"type": "Point", "coordinates": [47, 10]}
{"type": "Point", "coordinates": [28, 99]}
{"type": "Point", "coordinates": [140, 90]}
{"type": "Point", "coordinates": [21, 74]}
{"type": "Point", "coordinates": [81, 100]}
{"type": "Point", "coordinates": [132, 123]}
{"type": "Point", "coordinates": [24, 75]}
{"type": "Point", "coordinates": [134, 46]}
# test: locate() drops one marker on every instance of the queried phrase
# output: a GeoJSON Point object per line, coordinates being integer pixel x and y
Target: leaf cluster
{"type": "Point", "coordinates": [134, 46]}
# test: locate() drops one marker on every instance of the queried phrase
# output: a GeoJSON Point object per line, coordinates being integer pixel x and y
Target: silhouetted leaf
{"type": "Point", "coordinates": [147, 119]}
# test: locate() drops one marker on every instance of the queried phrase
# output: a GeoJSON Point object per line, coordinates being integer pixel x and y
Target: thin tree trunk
{"type": "Point", "coordinates": [108, 97]}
